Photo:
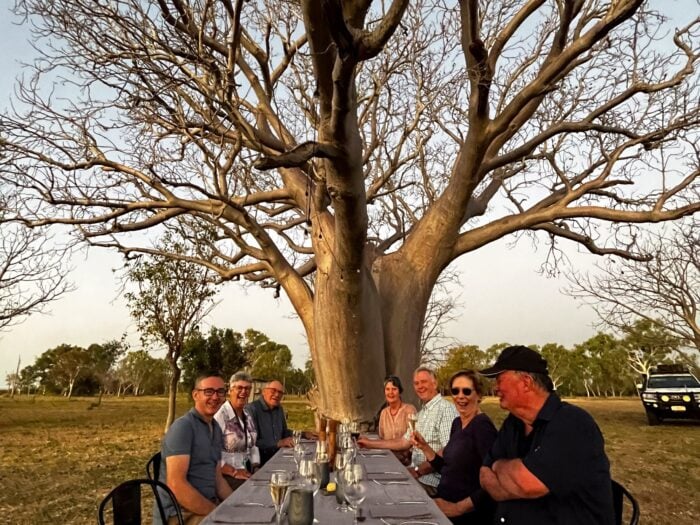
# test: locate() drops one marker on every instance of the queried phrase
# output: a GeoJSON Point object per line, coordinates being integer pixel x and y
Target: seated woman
{"type": "Point", "coordinates": [393, 419]}
{"type": "Point", "coordinates": [240, 455]}
{"type": "Point", "coordinates": [459, 494]}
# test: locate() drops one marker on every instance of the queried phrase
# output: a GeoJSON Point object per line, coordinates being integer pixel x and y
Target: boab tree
{"type": "Point", "coordinates": [348, 151]}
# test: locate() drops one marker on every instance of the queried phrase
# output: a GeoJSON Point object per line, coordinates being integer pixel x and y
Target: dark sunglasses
{"type": "Point", "coordinates": [465, 391]}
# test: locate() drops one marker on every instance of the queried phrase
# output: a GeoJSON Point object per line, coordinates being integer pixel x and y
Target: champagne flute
{"type": "Point", "coordinates": [355, 488]}
{"type": "Point", "coordinates": [279, 484]}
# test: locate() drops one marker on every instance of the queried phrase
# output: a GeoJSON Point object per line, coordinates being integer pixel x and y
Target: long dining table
{"type": "Point", "coordinates": [393, 496]}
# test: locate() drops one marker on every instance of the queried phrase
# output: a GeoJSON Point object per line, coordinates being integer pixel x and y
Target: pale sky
{"type": "Point", "coordinates": [504, 299]}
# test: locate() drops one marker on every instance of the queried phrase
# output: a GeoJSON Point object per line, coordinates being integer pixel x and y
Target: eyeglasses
{"type": "Point", "coordinates": [465, 391]}
{"type": "Point", "coordinates": [276, 391]}
{"type": "Point", "coordinates": [208, 392]}
{"type": "Point", "coordinates": [240, 388]}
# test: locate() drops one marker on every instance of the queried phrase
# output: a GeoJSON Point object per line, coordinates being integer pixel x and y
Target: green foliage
{"type": "Point", "coordinates": [268, 359]}
{"type": "Point", "coordinates": [461, 357]}
{"type": "Point", "coordinates": [221, 349]}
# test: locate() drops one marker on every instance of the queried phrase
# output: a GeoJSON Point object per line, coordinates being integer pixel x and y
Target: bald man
{"type": "Point", "coordinates": [270, 421]}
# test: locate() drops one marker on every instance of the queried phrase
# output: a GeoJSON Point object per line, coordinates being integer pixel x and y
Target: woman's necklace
{"type": "Point", "coordinates": [393, 412]}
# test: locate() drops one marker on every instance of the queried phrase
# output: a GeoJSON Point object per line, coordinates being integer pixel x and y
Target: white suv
{"type": "Point", "coordinates": [670, 392]}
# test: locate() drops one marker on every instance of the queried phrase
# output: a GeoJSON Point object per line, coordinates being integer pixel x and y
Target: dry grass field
{"type": "Point", "coordinates": [58, 458]}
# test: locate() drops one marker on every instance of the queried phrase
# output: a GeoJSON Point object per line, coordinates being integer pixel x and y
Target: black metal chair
{"type": "Point", "coordinates": [620, 493]}
{"type": "Point", "coordinates": [153, 467]}
{"type": "Point", "coordinates": [125, 500]}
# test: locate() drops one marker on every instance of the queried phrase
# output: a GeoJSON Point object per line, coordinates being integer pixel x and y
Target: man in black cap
{"type": "Point", "coordinates": [548, 464]}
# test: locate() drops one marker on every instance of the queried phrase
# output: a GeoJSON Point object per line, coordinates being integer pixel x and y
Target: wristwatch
{"type": "Point", "coordinates": [415, 469]}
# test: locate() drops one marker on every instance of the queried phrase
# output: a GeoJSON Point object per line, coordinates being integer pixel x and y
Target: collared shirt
{"type": "Point", "coordinates": [565, 451]}
{"type": "Point", "coordinates": [190, 435]}
{"type": "Point", "coordinates": [240, 433]}
{"type": "Point", "coordinates": [271, 425]}
{"type": "Point", "coordinates": [433, 423]}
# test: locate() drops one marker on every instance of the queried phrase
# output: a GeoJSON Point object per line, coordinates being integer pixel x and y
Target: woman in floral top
{"type": "Point", "coordinates": [239, 432]}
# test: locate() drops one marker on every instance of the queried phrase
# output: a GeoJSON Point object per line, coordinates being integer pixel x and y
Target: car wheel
{"type": "Point", "coordinates": [652, 418]}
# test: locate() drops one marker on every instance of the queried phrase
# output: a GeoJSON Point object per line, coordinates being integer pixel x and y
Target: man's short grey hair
{"type": "Point", "coordinates": [241, 376]}
{"type": "Point", "coordinates": [543, 381]}
{"type": "Point", "coordinates": [424, 368]}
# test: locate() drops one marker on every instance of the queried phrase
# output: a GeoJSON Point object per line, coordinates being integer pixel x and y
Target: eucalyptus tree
{"type": "Point", "coordinates": [347, 152]}
{"type": "Point", "coordinates": [169, 300]}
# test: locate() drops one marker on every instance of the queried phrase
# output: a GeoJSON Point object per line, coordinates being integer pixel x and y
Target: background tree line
{"type": "Point", "coordinates": [604, 365]}
{"type": "Point", "coordinates": [115, 369]}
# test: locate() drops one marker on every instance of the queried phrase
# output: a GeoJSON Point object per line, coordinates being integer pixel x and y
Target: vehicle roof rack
{"type": "Point", "coordinates": [673, 368]}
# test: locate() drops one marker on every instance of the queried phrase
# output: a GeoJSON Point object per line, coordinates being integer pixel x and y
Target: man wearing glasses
{"type": "Point", "coordinates": [191, 453]}
{"type": "Point", "coordinates": [270, 421]}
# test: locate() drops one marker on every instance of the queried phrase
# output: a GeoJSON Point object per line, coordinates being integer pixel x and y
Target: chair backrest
{"type": "Point", "coordinates": [620, 493]}
{"type": "Point", "coordinates": [153, 467]}
{"type": "Point", "coordinates": [126, 502]}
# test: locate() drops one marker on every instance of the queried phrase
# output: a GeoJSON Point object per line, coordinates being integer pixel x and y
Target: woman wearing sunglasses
{"type": "Point", "coordinates": [459, 494]}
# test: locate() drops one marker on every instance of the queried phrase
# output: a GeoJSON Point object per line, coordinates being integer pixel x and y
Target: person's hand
{"type": "Point", "coordinates": [418, 441]}
{"type": "Point", "coordinates": [412, 471]}
{"type": "Point", "coordinates": [363, 442]}
{"type": "Point", "coordinates": [228, 470]}
{"type": "Point", "coordinates": [287, 442]}
{"type": "Point", "coordinates": [448, 508]}
{"type": "Point", "coordinates": [309, 434]}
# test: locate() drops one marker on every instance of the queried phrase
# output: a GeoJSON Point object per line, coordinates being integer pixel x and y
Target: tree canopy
{"type": "Point", "coordinates": [348, 152]}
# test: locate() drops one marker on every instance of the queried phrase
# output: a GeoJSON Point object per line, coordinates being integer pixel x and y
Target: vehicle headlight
{"type": "Point", "coordinates": [665, 398]}
{"type": "Point", "coordinates": [686, 399]}
{"type": "Point", "coordinates": [651, 397]}
{"type": "Point", "coordinates": [697, 397]}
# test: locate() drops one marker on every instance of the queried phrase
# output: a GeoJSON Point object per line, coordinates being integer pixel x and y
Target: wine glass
{"type": "Point", "coordinates": [299, 454]}
{"type": "Point", "coordinates": [279, 484]}
{"type": "Point", "coordinates": [340, 464]}
{"type": "Point", "coordinates": [310, 477]}
{"type": "Point", "coordinates": [296, 437]}
{"type": "Point", "coordinates": [412, 420]}
{"type": "Point", "coordinates": [355, 487]}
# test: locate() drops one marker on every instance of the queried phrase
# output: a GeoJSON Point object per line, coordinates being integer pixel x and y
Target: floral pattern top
{"type": "Point", "coordinates": [239, 432]}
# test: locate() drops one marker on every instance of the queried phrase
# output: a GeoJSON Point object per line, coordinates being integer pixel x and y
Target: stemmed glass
{"type": "Point", "coordinates": [279, 484]}
{"type": "Point", "coordinates": [355, 487]}
{"type": "Point", "coordinates": [299, 454]}
{"type": "Point", "coordinates": [340, 464]}
{"type": "Point", "coordinates": [296, 437]}
{"type": "Point", "coordinates": [412, 419]}
{"type": "Point", "coordinates": [310, 477]}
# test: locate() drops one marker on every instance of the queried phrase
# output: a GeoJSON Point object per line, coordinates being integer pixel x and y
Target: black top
{"type": "Point", "coordinates": [565, 451]}
{"type": "Point", "coordinates": [459, 466]}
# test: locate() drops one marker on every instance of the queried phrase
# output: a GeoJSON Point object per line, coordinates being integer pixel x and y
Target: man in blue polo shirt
{"type": "Point", "coordinates": [548, 464]}
{"type": "Point", "coordinates": [191, 454]}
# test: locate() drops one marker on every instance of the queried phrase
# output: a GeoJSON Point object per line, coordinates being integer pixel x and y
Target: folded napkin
{"type": "Point", "coordinates": [406, 510]}
{"type": "Point", "coordinates": [387, 476]}
{"type": "Point", "coordinates": [243, 514]}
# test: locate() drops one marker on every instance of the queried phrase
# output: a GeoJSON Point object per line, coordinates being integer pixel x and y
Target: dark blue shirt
{"type": "Point", "coordinates": [565, 451]}
{"type": "Point", "coordinates": [272, 426]}
{"type": "Point", "coordinates": [461, 461]}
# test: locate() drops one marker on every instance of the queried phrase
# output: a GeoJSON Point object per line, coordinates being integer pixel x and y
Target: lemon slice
{"type": "Point", "coordinates": [330, 487]}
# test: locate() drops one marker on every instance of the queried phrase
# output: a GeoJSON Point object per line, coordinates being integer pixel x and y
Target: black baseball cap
{"type": "Point", "coordinates": [519, 358]}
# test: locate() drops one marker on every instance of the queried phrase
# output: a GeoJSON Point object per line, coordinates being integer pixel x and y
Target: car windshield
{"type": "Point", "coordinates": [680, 381]}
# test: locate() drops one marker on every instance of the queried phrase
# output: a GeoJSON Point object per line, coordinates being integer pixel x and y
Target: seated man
{"type": "Point", "coordinates": [434, 421]}
{"type": "Point", "coordinates": [270, 421]}
{"type": "Point", "coordinates": [191, 454]}
{"type": "Point", "coordinates": [548, 464]}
